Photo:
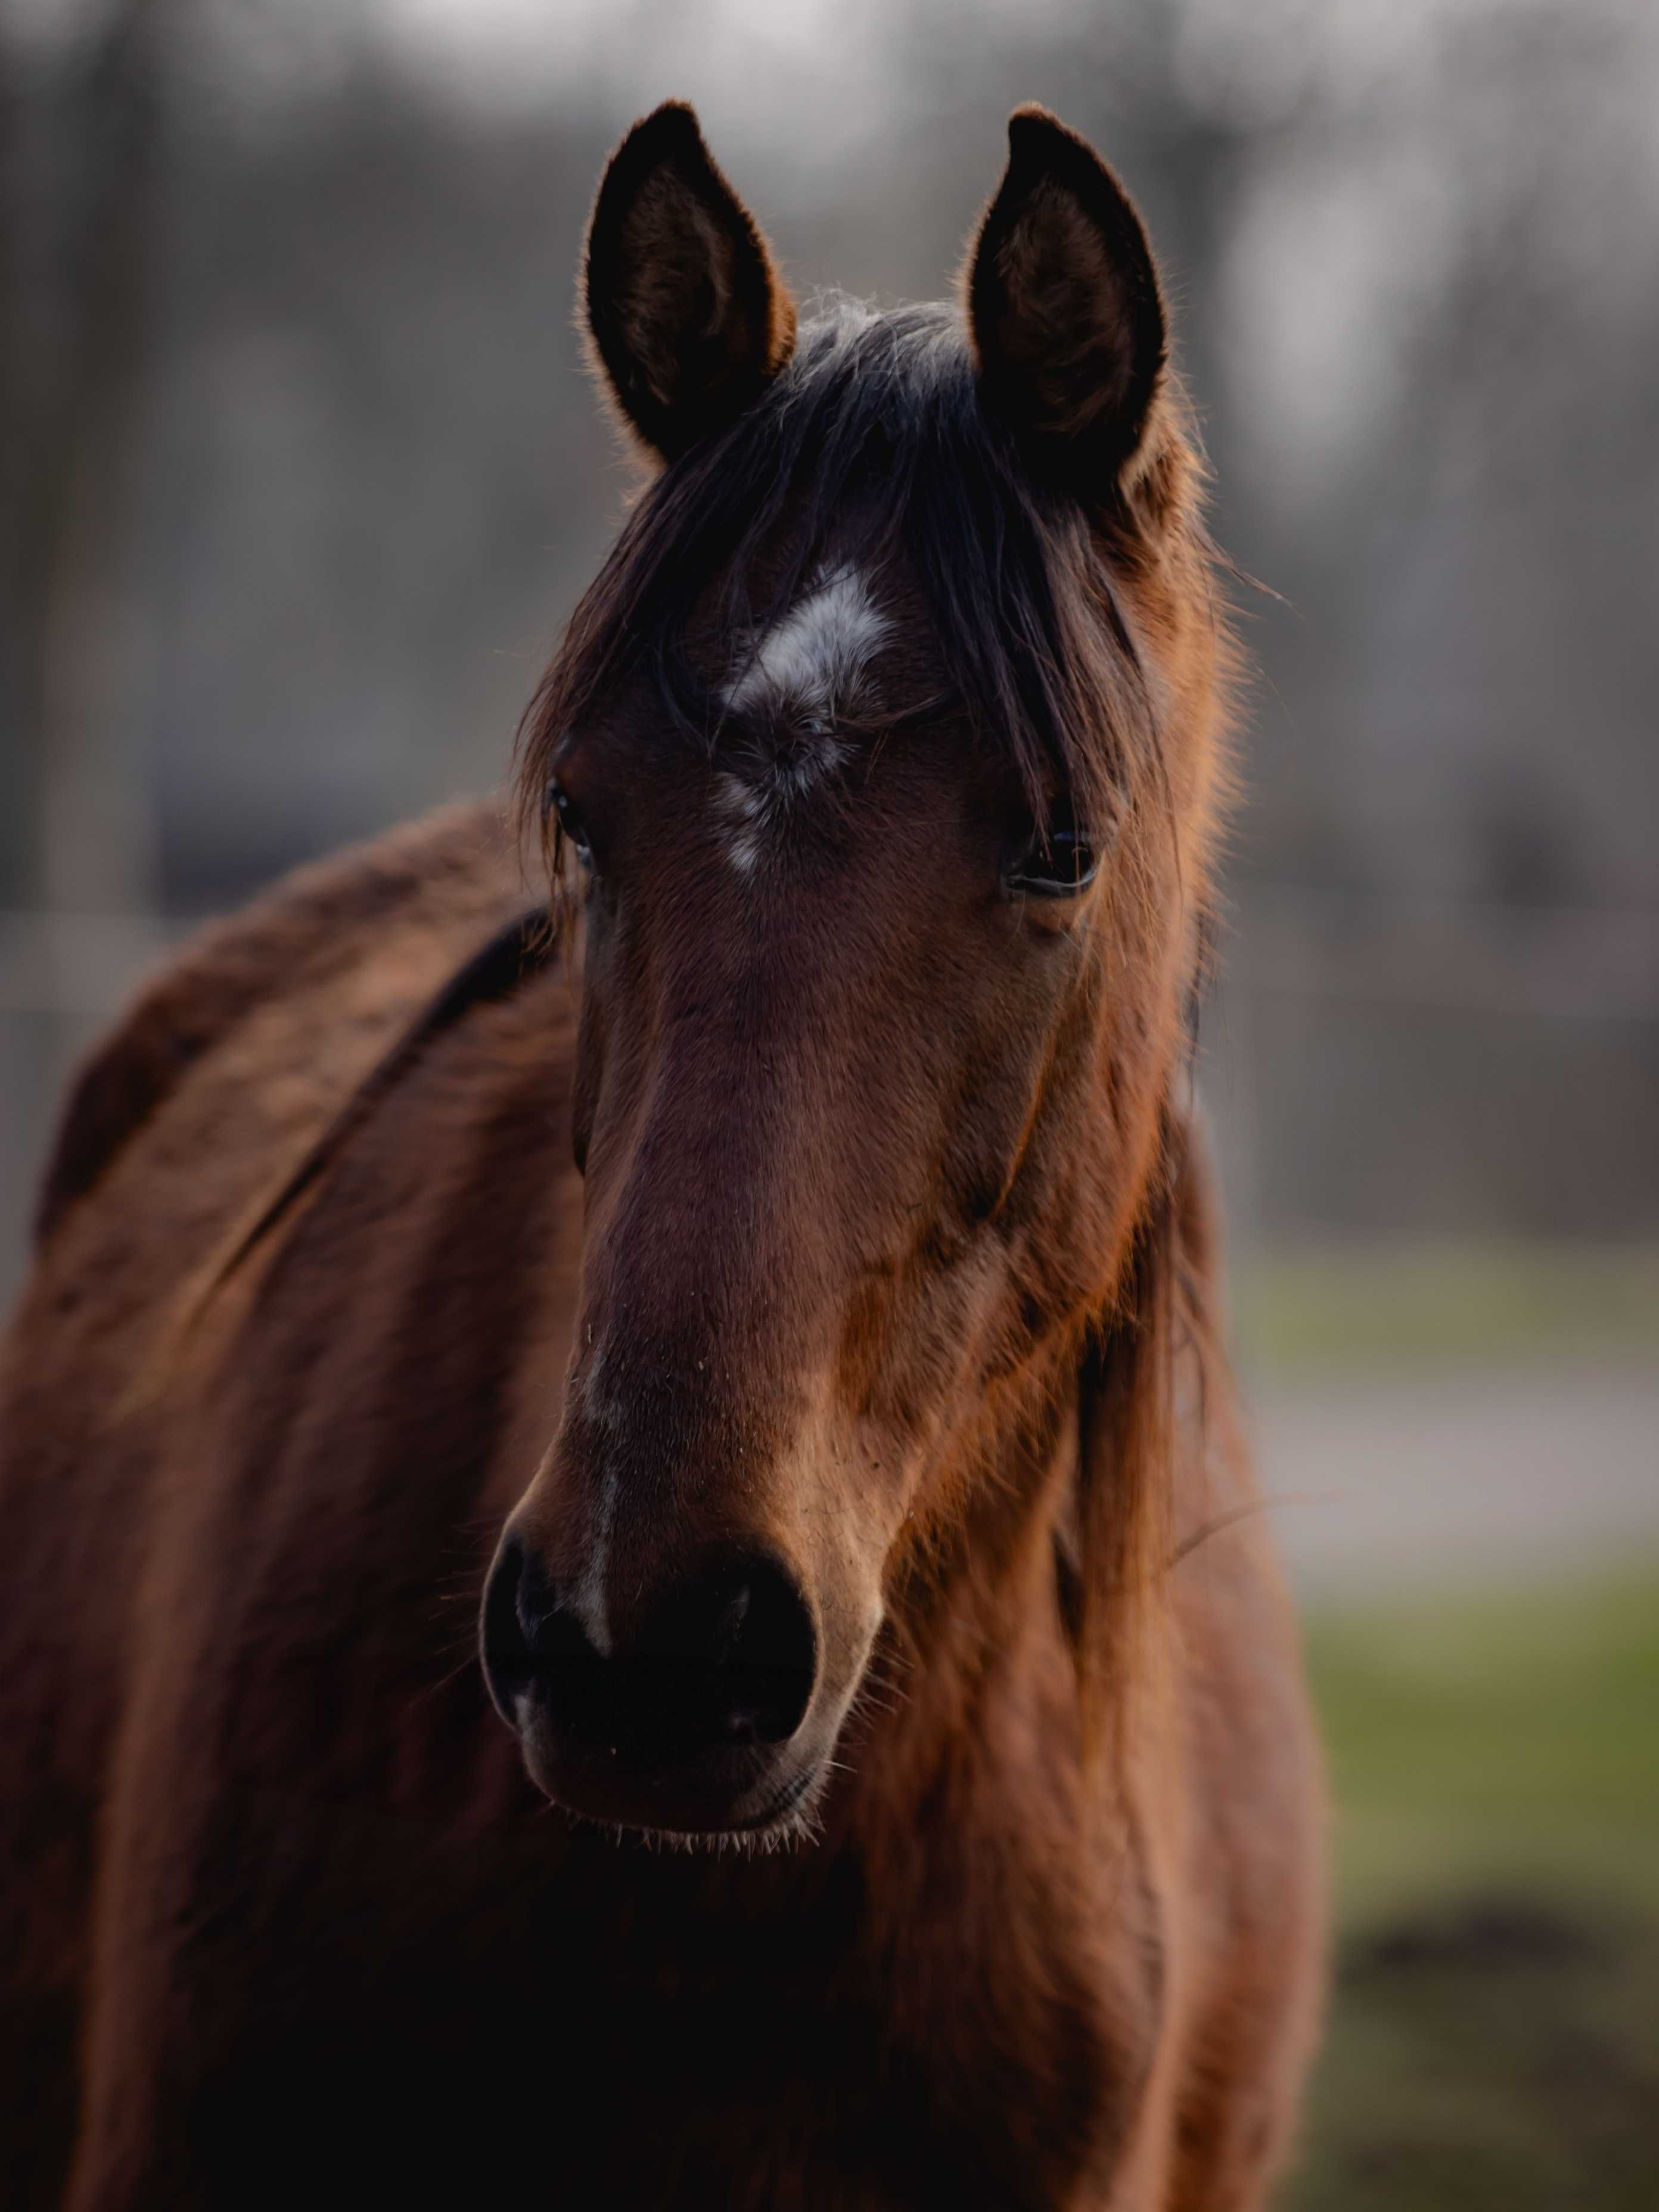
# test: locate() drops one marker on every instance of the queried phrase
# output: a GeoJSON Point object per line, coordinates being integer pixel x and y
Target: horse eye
{"type": "Point", "coordinates": [1057, 862]}
{"type": "Point", "coordinates": [560, 803]}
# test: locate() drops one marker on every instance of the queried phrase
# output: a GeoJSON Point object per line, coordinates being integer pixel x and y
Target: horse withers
{"type": "Point", "coordinates": [772, 1283]}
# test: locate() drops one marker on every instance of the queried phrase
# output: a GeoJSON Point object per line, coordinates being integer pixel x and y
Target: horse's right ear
{"type": "Point", "coordinates": [687, 314]}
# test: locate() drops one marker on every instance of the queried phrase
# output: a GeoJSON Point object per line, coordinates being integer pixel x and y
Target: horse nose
{"type": "Point", "coordinates": [723, 1659]}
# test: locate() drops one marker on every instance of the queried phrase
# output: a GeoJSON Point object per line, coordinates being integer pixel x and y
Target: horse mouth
{"type": "Point", "coordinates": [728, 1796]}
{"type": "Point", "coordinates": [780, 1816]}
{"type": "Point", "coordinates": [636, 1767]}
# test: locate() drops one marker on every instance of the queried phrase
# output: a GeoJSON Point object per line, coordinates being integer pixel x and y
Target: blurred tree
{"type": "Point", "coordinates": [78, 213]}
{"type": "Point", "coordinates": [300, 472]}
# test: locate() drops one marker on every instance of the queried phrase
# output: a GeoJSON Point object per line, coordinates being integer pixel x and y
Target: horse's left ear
{"type": "Point", "coordinates": [686, 312]}
{"type": "Point", "coordinates": [1063, 305]}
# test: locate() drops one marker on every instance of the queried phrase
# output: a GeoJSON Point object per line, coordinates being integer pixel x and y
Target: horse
{"type": "Point", "coordinates": [744, 1312]}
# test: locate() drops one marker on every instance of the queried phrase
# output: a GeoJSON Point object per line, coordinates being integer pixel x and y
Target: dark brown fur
{"type": "Point", "coordinates": [895, 1202]}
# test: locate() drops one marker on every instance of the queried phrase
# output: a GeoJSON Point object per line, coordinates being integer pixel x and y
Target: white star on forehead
{"type": "Point", "coordinates": [810, 660]}
{"type": "Point", "coordinates": [807, 667]}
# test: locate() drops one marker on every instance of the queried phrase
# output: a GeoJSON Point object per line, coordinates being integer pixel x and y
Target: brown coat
{"type": "Point", "coordinates": [282, 1910]}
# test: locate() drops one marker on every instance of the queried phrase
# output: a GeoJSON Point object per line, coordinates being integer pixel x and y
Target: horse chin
{"type": "Point", "coordinates": [743, 1800]}
{"type": "Point", "coordinates": [788, 1821]}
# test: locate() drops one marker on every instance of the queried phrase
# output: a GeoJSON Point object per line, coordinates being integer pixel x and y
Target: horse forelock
{"type": "Point", "coordinates": [875, 442]}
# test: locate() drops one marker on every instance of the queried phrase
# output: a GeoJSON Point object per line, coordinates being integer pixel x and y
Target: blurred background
{"type": "Point", "coordinates": [299, 475]}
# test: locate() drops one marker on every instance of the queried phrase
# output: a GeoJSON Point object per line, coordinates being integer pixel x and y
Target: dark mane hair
{"type": "Point", "coordinates": [876, 426]}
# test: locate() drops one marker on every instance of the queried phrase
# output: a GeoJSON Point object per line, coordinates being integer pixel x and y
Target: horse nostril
{"type": "Point", "coordinates": [725, 1659]}
{"type": "Point", "coordinates": [503, 1646]}
{"type": "Point", "coordinates": [765, 1660]}
{"type": "Point", "coordinates": [729, 1626]}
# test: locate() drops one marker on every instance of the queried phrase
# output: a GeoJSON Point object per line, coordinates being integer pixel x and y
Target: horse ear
{"type": "Point", "coordinates": [1063, 305]}
{"type": "Point", "coordinates": [688, 317]}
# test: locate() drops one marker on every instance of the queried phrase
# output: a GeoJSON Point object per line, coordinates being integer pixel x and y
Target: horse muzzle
{"type": "Point", "coordinates": [695, 1723]}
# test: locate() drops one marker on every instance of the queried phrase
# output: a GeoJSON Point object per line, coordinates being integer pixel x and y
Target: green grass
{"type": "Point", "coordinates": [1512, 1738]}
{"type": "Point", "coordinates": [1493, 2042]}
{"type": "Point", "coordinates": [1444, 1305]}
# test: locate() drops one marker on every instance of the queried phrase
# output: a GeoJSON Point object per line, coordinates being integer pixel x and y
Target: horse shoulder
{"type": "Point", "coordinates": [200, 1104]}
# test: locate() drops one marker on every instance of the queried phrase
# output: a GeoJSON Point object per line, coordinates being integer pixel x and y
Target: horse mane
{"type": "Point", "coordinates": [512, 957]}
{"type": "Point", "coordinates": [1129, 1432]}
{"type": "Point", "coordinates": [312, 917]}
{"type": "Point", "coordinates": [873, 437]}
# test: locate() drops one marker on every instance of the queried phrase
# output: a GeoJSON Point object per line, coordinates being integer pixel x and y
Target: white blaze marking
{"type": "Point", "coordinates": [744, 805]}
{"type": "Point", "coordinates": [807, 667]}
{"type": "Point", "coordinates": [587, 1599]}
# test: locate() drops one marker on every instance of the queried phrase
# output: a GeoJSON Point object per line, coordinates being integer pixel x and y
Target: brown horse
{"type": "Point", "coordinates": [807, 1206]}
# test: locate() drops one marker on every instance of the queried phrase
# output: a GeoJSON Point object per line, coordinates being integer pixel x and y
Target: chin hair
{"type": "Point", "coordinates": [795, 1827]}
